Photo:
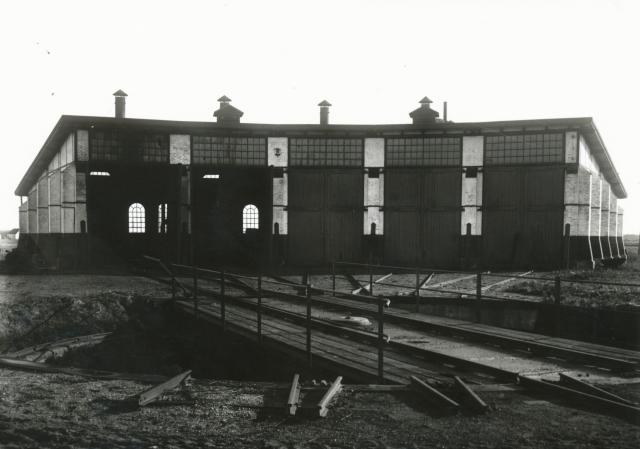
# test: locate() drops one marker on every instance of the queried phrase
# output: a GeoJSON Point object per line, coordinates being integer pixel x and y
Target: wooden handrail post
{"type": "Point", "coordinates": [381, 342]}
{"type": "Point", "coordinates": [308, 295]}
{"type": "Point", "coordinates": [173, 286]}
{"type": "Point", "coordinates": [478, 296]}
{"type": "Point", "coordinates": [195, 290]}
{"type": "Point", "coordinates": [557, 292]}
{"type": "Point", "coordinates": [370, 279]}
{"type": "Point", "coordinates": [222, 301]}
{"type": "Point", "coordinates": [333, 279]}
{"type": "Point", "coordinates": [259, 309]}
{"type": "Point", "coordinates": [417, 290]}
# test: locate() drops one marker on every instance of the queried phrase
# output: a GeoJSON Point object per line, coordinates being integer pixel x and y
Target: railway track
{"type": "Point", "coordinates": [416, 334]}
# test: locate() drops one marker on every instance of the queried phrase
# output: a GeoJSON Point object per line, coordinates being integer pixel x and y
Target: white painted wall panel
{"type": "Point", "coordinates": [180, 149]}
{"type": "Point", "coordinates": [278, 151]}
{"type": "Point", "coordinates": [374, 152]}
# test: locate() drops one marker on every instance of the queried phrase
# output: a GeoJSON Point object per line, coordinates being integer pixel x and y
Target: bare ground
{"type": "Point", "coordinates": [56, 410]}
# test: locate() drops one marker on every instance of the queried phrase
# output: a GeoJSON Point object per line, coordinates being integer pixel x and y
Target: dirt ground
{"type": "Point", "coordinates": [53, 410]}
{"type": "Point", "coordinates": [65, 411]}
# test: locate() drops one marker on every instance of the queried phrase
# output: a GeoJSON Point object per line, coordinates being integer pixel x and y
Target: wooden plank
{"type": "Point", "coordinates": [328, 396]}
{"type": "Point", "coordinates": [154, 393]}
{"type": "Point", "coordinates": [596, 403]}
{"type": "Point", "coordinates": [294, 395]}
{"type": "Point", "coordinates": [426, 280]}
{"type": "Point", "coordinates": [472, 398]}
{"type": "Point", "coordinates": [367, 287]}
{"type": "Point", "coordinates": [504, 281]}
{"type": "Point", "coordinates": [577, 384]}
{"type": "Point", "coordinates": [450, 281]}
{"type": "Point", "coordinates": [432, 395]}
{"type": "Point", "coordinates": [24, 365]}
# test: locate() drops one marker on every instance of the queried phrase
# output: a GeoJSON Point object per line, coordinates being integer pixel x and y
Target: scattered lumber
{"type": "Point", "coordinates": [367, 287]}
{"type": "Point", "coordinates": [575, 397]}
{"type": "Point", "coordinates": [24, 365]}
{"type": "Point", "coordinates": [579, 385]}
{"type": "Point", "coordinates": [328, 396]}
{"type": "Point", "coordinates": [432, 395]}
{"type": "Point", "coordinates": [154, 393]}
{"type": "Point", "coordinates": [294, 396]}
{"type": "Point", "coordinates": [471, 398]}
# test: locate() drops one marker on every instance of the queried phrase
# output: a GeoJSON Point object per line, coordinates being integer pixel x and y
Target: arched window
{"type": "Point", "coordinates": [136, 219]}
{"type": "Point", "coordinates": [250, 219]}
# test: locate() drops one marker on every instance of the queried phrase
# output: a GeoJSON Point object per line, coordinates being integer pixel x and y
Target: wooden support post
{"type": "Point", "coordinates": [328, 396]}
{"type": "Point", "coordinates": [222, 301]}
{"type": "Point", "coordinates": [154, 393]}
{"type": "Point", "coordinates": [478, 297]}
{"type": "Point", "coordinates": [557, 292]}
{"type": "Point", "coordinates": [370, 280]}
{"type": "Point", "coordinates": [259, 308]}
{"type": "Point", "coordinates": [194, 272]}
{"type": "Point", "coordinates": [380, 342]}
{"type": "Point", "coordinates": [417, 290]}
{"type": "Point", "coordinates": [173, 287]}
{"type": "Point", "coordinates": [432, 395]}
{"type": "Point", "coordinates": [472, 398]}
{"type": "Point", "coordinates": [308, 295]}
{"type": "Point", "coordinates": [294, 396]}
{"type": "Point", "coordinates": [333, 279]}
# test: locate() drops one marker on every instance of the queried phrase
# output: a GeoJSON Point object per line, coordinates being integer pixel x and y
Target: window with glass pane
{"type": "Point", "coordinates": [250, 218]}
{"type": "Point", "coordinates": [423, 151]}
{"type": "Point", "coordinates": [136, 219]}
{"type": "Point", "coordinates": [326, 152]}
{"type": "Point", "coordinates": [524, 149]}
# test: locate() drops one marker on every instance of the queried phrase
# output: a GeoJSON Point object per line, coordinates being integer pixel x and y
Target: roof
{"type": "Point", "coordinates": [120, 93]}
{"type": "Point", "coordinates": [68, 123]}
{"type": "Point", "coordinates": [228, 110]}
{"type": "Point", "coordinates": [324, 103]}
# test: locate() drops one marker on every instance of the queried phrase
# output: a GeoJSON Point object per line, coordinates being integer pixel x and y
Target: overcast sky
{"type": "Point", "coordinates": [373, 60]}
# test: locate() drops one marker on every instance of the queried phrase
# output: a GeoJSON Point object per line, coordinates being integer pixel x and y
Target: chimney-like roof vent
{"type": "Point", "coordinates": [324, 112]}
{"type": "Point", "coordinates": [424, 115]}
{"type": "Point", "coordinates": [121, 103]}
{"type": "Point", "coordinates": [226, 113]}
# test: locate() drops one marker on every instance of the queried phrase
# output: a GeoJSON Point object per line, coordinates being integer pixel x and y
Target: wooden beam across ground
{"type": "Point", "coordinates": [354, 282]}
{"type": "Point", "coordinates": [579, 385]}
{"type": "Point", "coordinates": [154, 393]}
{"type": "Point", "coordinates": [593, 402]}
{"type": "Point", "coordinates": [294, 396]}
{"type": "Point", "coordinates": [426, 280]}
{"type": "Point", "coordinates": [432, 395]}
{"type": "Point", "coordinates": [504, 281]}
{"type": "Point", "coordinates": [451, 281]}
{"type": "Point", "coordinates": [328, 396]}
{"type": "Point", "coordinates": [367, 287]}
{"type": "Point", "coordinates": [472, 398]}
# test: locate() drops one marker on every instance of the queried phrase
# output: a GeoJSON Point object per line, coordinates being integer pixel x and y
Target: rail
{"type": "Point", "coordinates": [229, 279]}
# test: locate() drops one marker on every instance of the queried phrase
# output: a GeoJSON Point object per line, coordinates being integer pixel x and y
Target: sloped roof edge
{"type": "Point", "coordinates": [68, 123]}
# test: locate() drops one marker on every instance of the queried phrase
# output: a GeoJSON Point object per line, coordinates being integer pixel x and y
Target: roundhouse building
{"type": "Point", "coordinates": [434, 193]}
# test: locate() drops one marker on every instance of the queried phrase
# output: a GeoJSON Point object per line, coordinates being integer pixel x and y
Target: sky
{"type": "Point", "coordinates": [373, 60]}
